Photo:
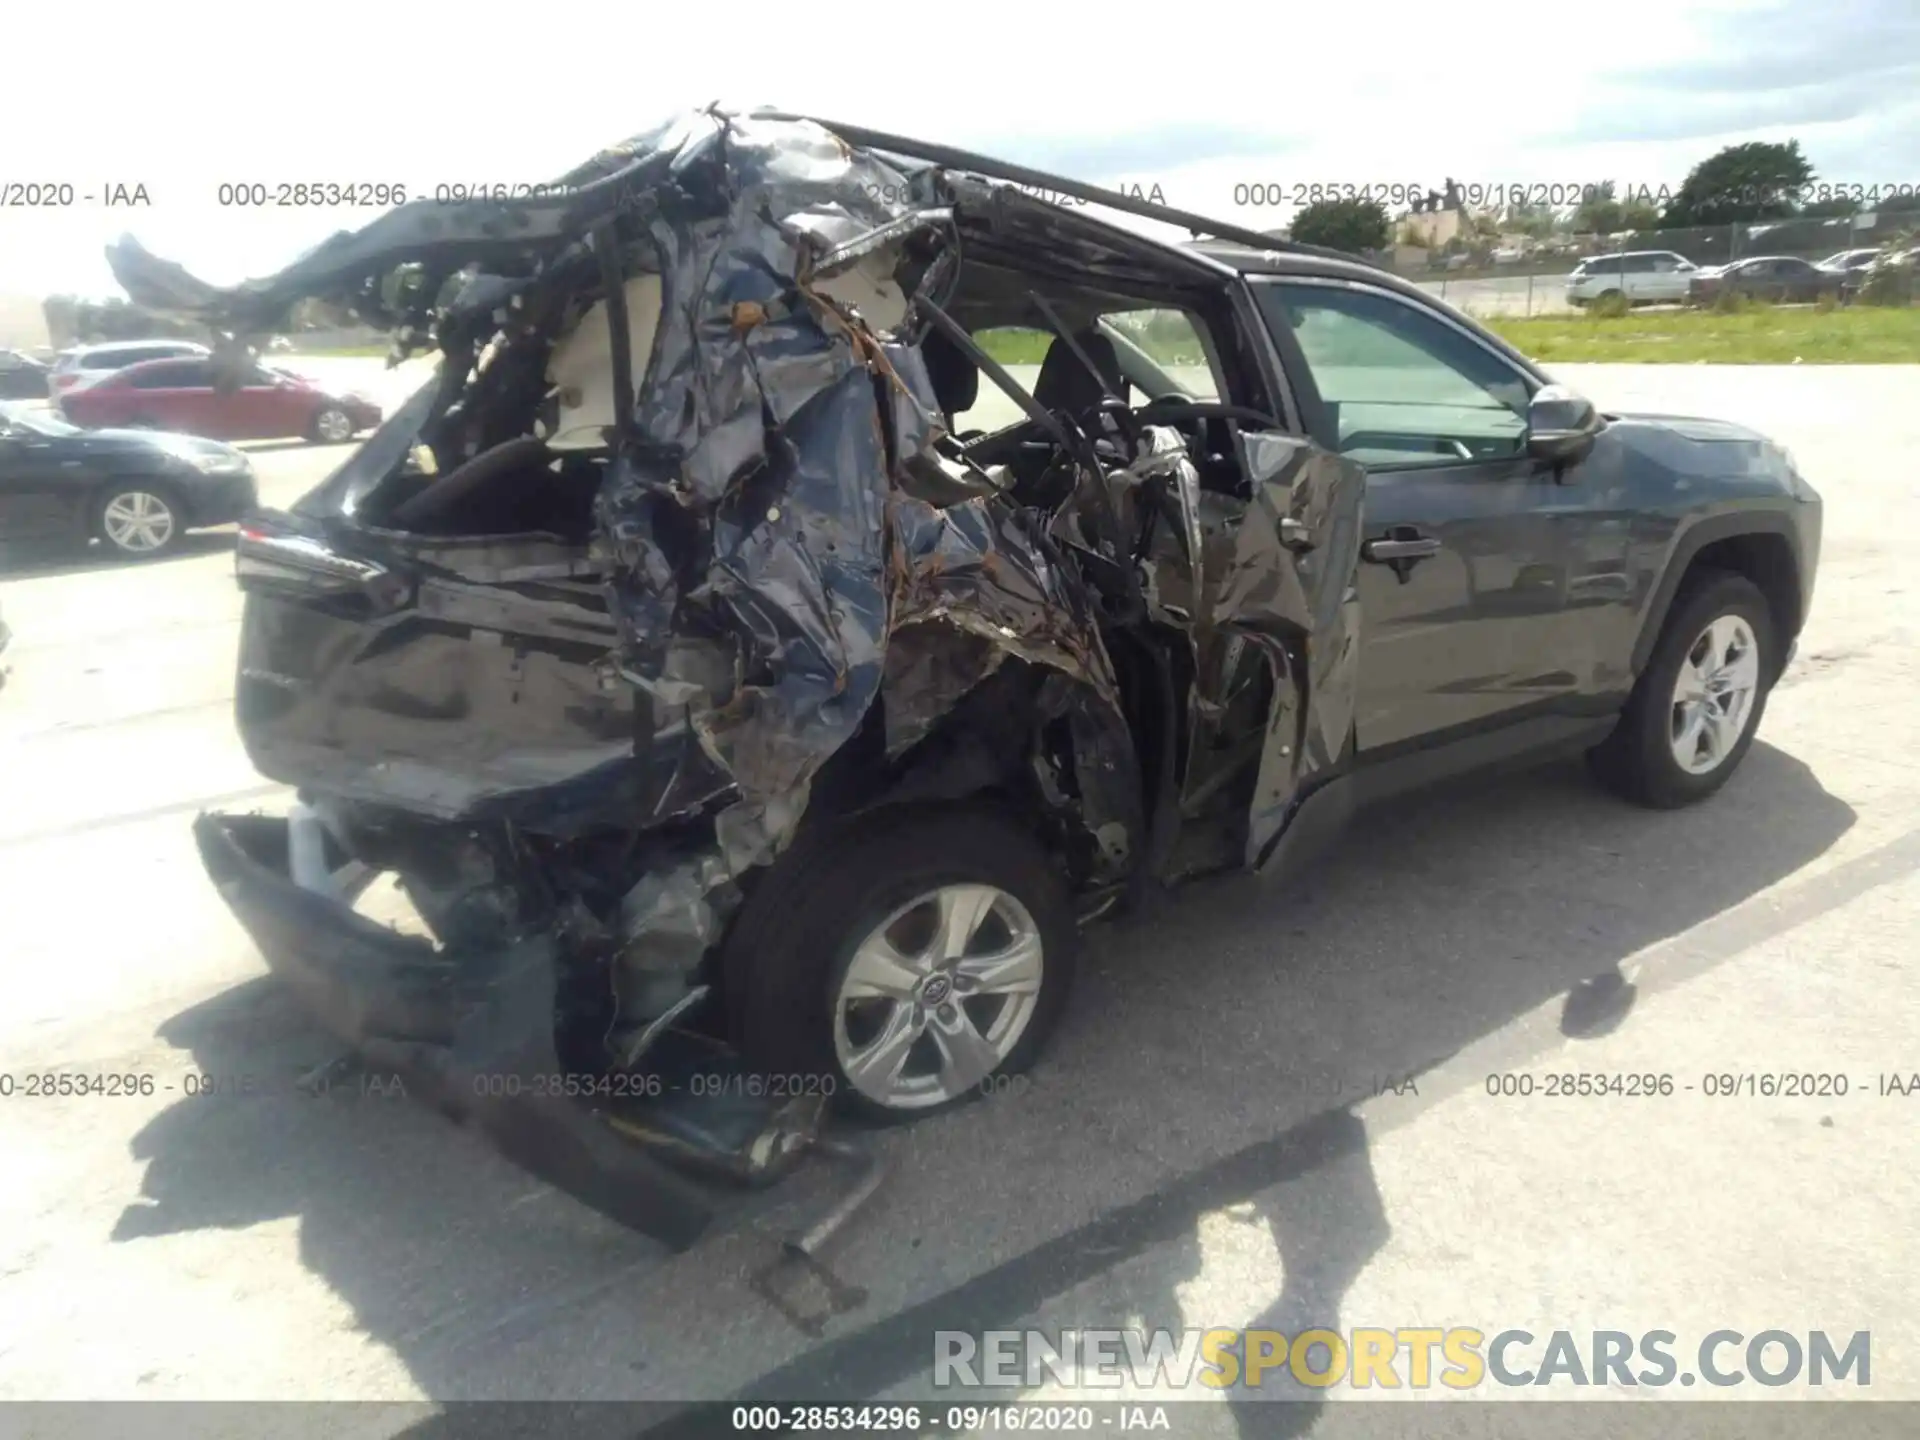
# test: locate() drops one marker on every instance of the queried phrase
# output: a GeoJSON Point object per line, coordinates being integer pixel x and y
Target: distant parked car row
{"type": "Point", "coordinates": [1664, 277]}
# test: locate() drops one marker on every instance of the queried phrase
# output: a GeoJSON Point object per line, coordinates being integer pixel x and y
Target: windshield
{"type": "Point", "coordinates": [41, 422]}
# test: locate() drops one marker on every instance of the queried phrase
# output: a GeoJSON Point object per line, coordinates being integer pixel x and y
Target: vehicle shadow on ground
{"type": "Point", "coordinates": [39, 562]}
{"type": "Point", "coordinates": [1210, 1066]}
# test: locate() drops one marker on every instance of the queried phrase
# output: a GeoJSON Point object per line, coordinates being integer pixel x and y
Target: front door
{"type": "Point", "coordinates": [1477, 559]}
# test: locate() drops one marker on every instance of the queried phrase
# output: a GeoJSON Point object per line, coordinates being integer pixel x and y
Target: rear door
{"type": "Point", "coordinates": [1666, 280]}
{"type": "Point", "coordinates": [1758, 279]}
{"type": "Point", "coordinates": [178, 395]}
{"type": "Point", "coordinates": [1800, 280]}
{"type": "Point", "coordinates": [1478, 565]}
{"type": "Point", "coordinates": [39, 497]}
{"type": "Point", "coordinates": [1638, 279]}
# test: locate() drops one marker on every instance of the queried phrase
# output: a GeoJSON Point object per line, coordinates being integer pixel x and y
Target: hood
{"type": "Point", "coordinates": [1698, 448]}
{"type": "Point", "coordinates": [189, 450]}
{"type": "Point", "coordinates": [102, 442]}
{"type": "Point", "coordinates": [1693, 427]}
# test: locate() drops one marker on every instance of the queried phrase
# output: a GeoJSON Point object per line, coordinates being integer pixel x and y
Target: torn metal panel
{"type": "Point", "coordinates": [674, 564]}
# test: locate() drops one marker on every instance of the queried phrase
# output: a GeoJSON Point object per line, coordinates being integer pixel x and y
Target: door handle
{"type": "Point", "coordinates": [1295, 535]}
{"type": "Point", "coordinates": [1400, 549]}
{"type": "Point", "coordinates": [1385, 552]}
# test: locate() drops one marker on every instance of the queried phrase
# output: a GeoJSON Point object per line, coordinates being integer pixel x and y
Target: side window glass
{"type": "Point", "coordinates": [1405, 389]}
{"type": "Point", "coordinates": [1021, 349]}
{"type": "Point", "coordinates": [1174, 344]}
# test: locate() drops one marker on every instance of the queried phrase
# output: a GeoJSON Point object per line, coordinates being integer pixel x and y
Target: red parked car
{"type": "Point", "coordinates": [179, 395]}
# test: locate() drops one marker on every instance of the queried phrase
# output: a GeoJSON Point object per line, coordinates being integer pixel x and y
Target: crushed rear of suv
{"type": "Point", "coordinates": [744, 738]}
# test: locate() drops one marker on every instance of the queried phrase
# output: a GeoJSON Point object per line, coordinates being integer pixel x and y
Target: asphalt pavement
{"type": "Point", "coordinates": [1209, 1141]}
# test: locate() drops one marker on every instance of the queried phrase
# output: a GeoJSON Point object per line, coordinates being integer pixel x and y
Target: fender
{"type": "Point", "coordinates": [1680, 558]}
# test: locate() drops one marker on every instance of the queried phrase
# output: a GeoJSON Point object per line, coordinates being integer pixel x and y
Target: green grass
{"type": "Point", "coordinates": [352, 352]}
{"type": "Point", "coordinates": [1854, 335]}
{"type": "Point", "coordinates": [1016, 347]}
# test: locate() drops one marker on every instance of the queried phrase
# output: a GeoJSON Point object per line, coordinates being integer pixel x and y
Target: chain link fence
{"type": "Point", "coordinates": [1493, 275]}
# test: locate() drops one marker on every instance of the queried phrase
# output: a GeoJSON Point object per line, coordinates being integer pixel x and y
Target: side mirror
{"type": "Point", "coordinates": [1561, 424]}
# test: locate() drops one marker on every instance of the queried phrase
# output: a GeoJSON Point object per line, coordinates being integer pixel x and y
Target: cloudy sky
{"type": "Point", "coordinates": [1212, 98]}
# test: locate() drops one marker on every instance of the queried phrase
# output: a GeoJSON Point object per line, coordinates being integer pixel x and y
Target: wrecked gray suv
{"type": "Point", "coordinates": [750, 730]}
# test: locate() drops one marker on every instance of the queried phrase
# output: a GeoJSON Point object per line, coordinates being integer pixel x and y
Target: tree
{"type": "Point", "coordinates": [1349, 225]}
{"type": "Point", "coordinates": [1639, 215]}
{"type": "Point", "coordinates": [1836, 208]}
{"type": "Point", "coordinates": [1598, 213]}
{"type": "Point", "coordinates": [1536, 221]}
{"type": "Point", "coordinates": [1754, 181]}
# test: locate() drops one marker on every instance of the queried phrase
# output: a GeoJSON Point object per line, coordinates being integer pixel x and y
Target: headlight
{"type": "Point", "coordinates": [211, 462]}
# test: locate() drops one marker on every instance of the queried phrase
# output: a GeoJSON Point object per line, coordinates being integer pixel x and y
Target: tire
{"type": "Point", "coordinates": [1641, 760]}
{"type": "Point", "coordinates": [792, 953]}
{"type": "Point", "coordinates": [139, 519]}
{"type": "Point", "coordinates": [330, 426]}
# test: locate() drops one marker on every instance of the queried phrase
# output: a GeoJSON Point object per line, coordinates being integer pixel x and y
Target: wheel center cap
{"type": "Point", "coordinates": [935, 989]}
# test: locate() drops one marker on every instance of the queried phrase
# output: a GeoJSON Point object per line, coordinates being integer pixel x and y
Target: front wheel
{"type": "Point", "coordinates": [1694, 710]}
{"type": "Point", "coordinates": [909, 964]}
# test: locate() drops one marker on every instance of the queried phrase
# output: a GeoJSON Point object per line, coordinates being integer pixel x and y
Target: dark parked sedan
{"type": "Point", "coordinates": [1770, 277]}
{"type": "Point", "coordinates": [136, 491]}
{"type": "Point", "coordinates": [181, 395]}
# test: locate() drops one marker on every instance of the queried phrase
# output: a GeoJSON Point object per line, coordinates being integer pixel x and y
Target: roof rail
{"type": "Point", "coordinates": [956, 159]}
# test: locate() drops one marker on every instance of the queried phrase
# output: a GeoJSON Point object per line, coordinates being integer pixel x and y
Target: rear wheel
{"type": "Point", "coordinates": [905, 965]}
{"type": "Point", "coordinates": [1694, 710]}
{"type": "Point", "coordinates": [139, 520]}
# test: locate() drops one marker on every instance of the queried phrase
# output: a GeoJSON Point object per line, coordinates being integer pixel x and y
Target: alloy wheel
{"type": "Point", "coordinates": [936, 997]}
{"type": "Point", "coordinates": [1713, 695]}
{"type": "Point", "coordinates": [138, 522]}
{"type": "Point", "coordinates": [333, 426]}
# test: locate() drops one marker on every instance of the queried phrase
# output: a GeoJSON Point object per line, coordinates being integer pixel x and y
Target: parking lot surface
{"type": "Point", "coordinates": [1209, 1142]}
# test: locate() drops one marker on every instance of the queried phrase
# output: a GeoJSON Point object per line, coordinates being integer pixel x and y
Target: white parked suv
{"type": "Point", "coordinates": [87, 365]}
{"type": "Point", "coordinates": [1644, 277]}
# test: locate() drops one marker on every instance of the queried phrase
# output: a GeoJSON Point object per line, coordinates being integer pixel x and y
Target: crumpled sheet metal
{"type": "Point", "coordinates": [761, 509]}
{"type": "Point", "coordinates": [1245, 600]}
{"type": "Point", "coordinates": [759, 513]}
{"type": "Point", "coordinates": [1306, 604]}
{"type": "Point", "coordinates": [752, 509]}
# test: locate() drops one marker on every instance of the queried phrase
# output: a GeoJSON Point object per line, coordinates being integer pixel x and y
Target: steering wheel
{"type": "Point", "coordinates": [1180, 407]}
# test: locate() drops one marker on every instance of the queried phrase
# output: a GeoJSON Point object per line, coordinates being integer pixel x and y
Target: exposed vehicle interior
{"type": "Point", "coordinates": [521, 443]}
